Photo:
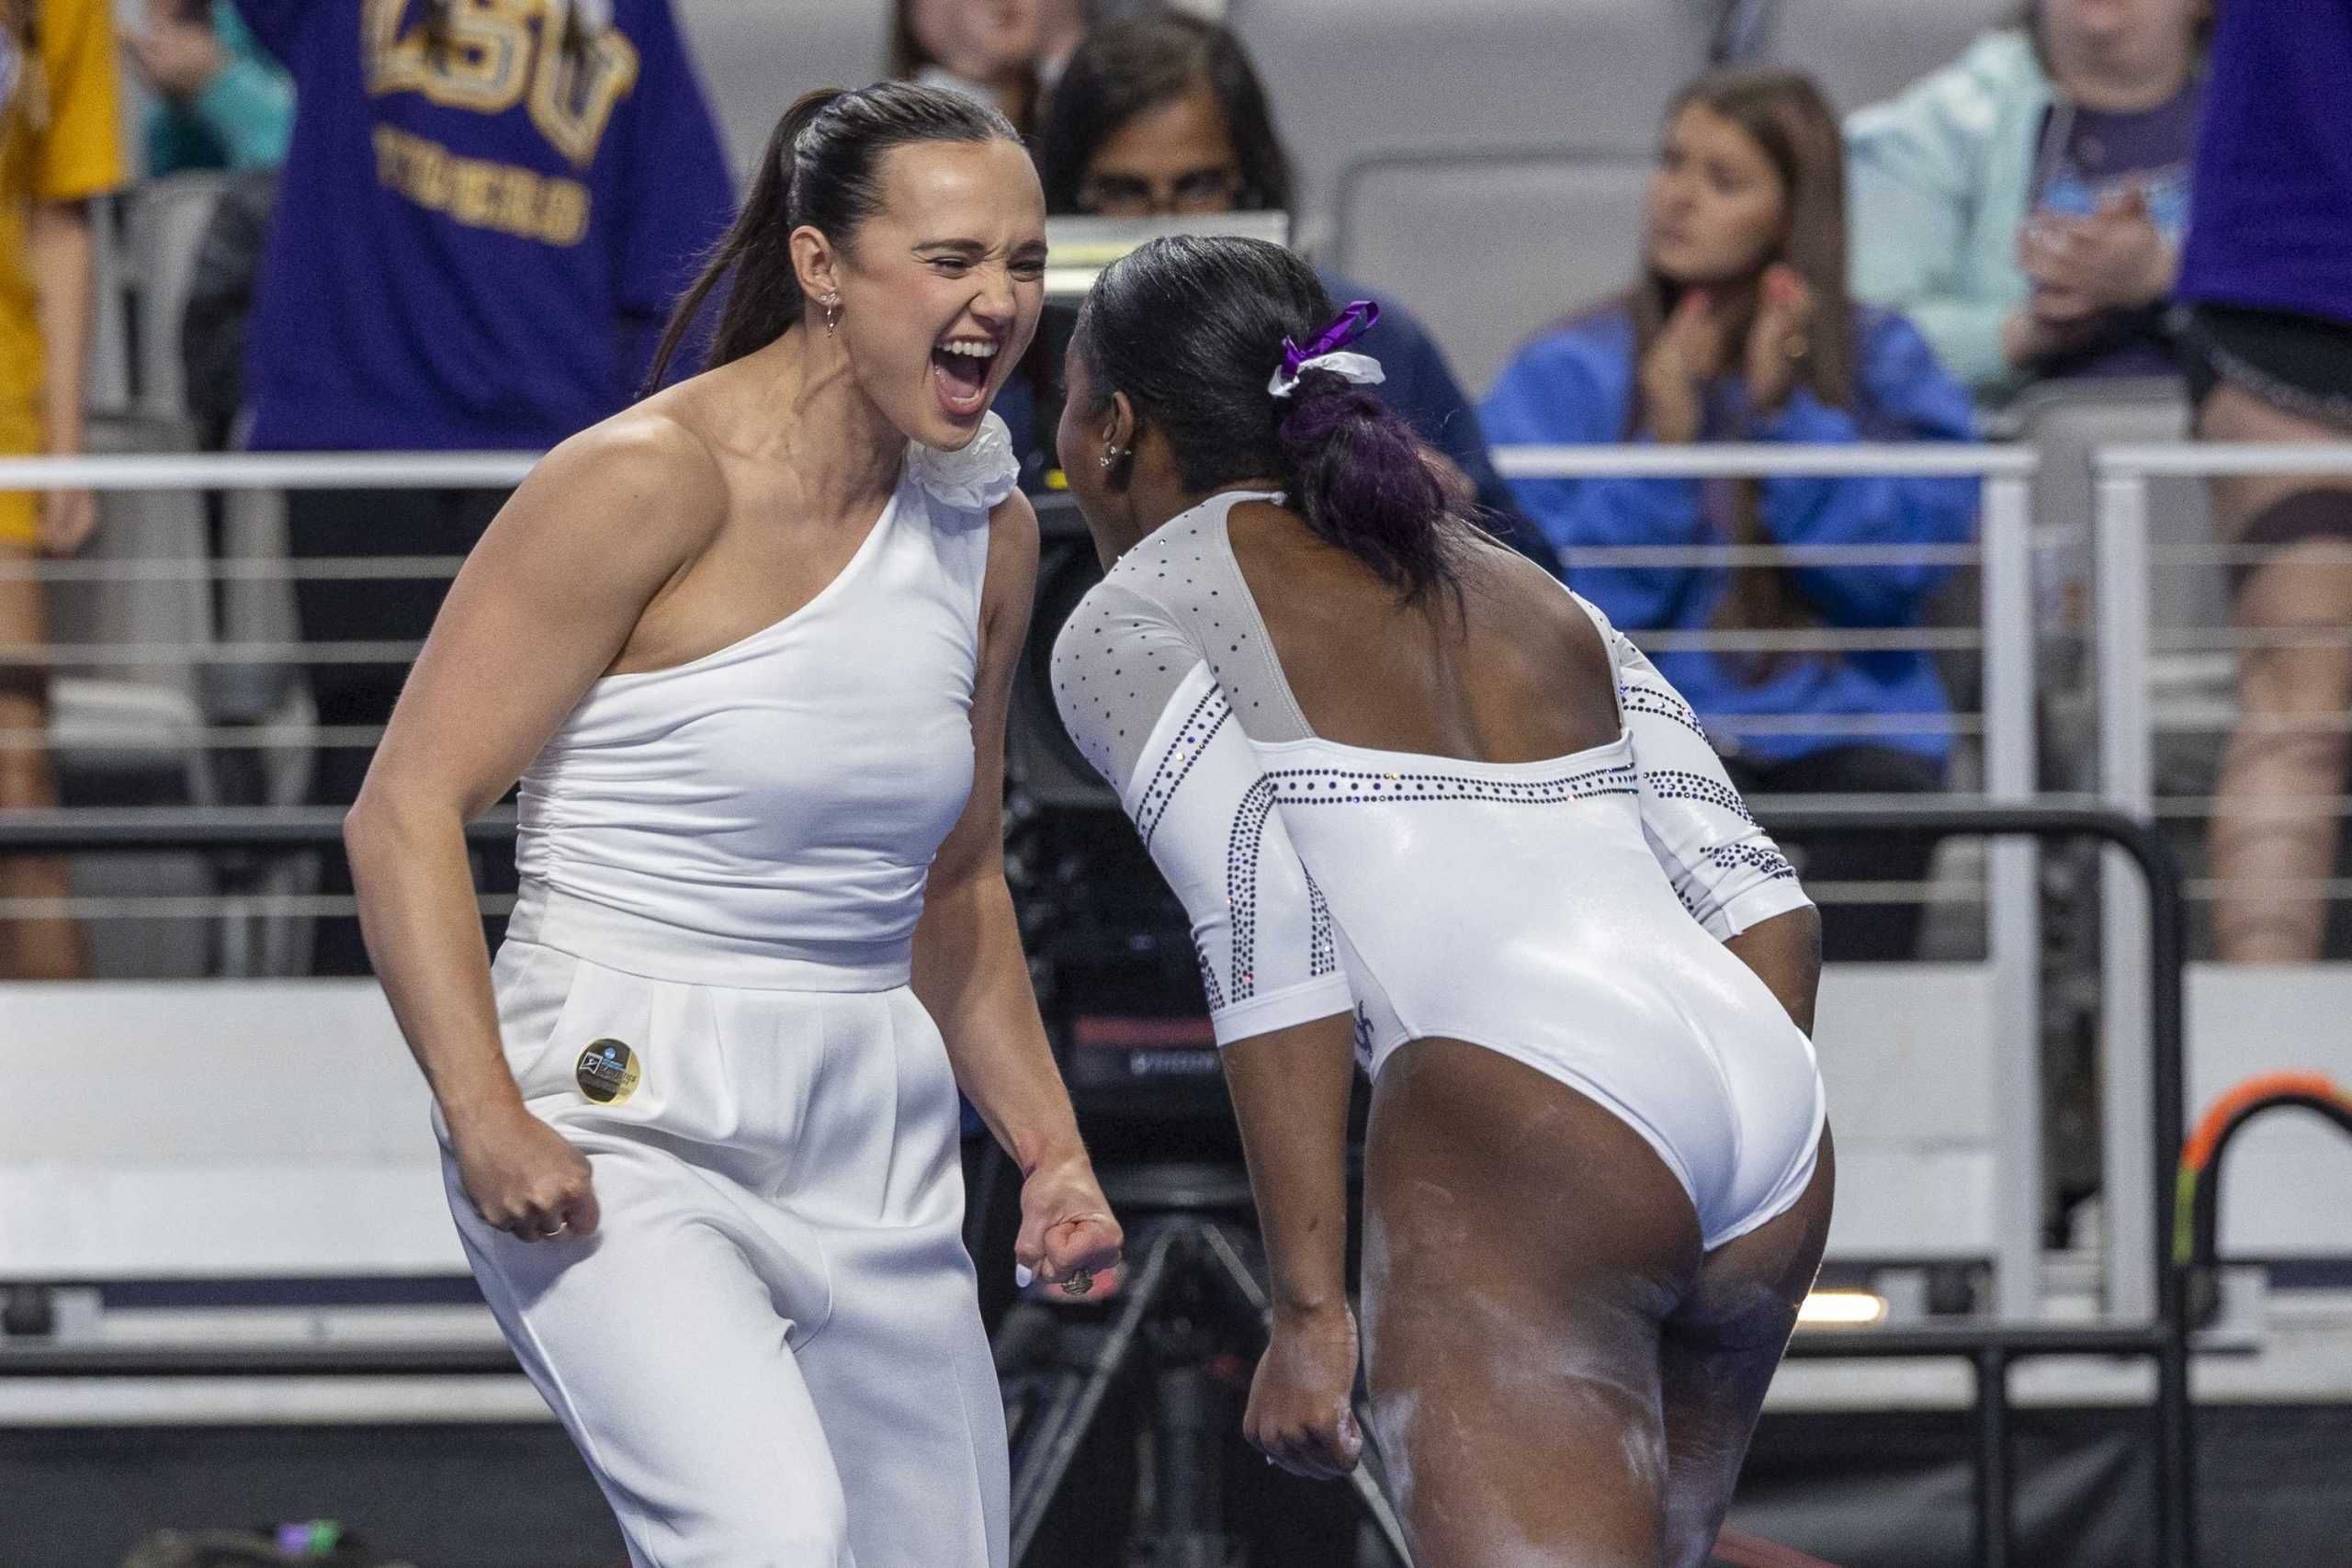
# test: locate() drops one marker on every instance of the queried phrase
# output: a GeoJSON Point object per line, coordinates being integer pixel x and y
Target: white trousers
{"type": "Point", "coordinates": [770, 1352]}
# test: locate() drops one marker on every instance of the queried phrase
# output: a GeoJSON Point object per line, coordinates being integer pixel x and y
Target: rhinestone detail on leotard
{"type": "Point", "coordinates": [1357, 786]}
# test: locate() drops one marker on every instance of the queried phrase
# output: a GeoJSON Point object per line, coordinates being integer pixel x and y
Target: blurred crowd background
{"type": "Point", "coordinates": [455, 225]}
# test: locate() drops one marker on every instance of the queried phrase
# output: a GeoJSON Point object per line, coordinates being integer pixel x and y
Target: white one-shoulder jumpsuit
{"type": "Point", "coordinates": [770, 1352]}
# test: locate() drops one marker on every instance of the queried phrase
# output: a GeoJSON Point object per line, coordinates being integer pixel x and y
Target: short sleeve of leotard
{"type": "Point", "coordinates": [1140, 700]}
{"type": "Point", "coordinates": [1724, 868]}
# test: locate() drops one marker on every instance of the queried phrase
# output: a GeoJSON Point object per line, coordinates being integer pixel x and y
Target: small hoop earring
{"type": "Point", "coordinates": [1111, 456]}
{"type": "Point", "coordinates": [832, 313]}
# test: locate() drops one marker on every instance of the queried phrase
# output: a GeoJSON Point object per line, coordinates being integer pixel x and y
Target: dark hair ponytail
{"type": "Point", "coordinates": [1358, 474]}
{"type": "Point", "coordinates": [1192, 330]}
{"type": "Point", "coordinates": [822, 170]}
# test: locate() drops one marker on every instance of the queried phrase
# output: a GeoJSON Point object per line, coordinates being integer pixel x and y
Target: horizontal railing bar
{"type": "Point", "coordinates": [487, 1359]}
{"type": "Point", "coordinates": [218, 905]}
{"type": "Point", "coordinates": [274, 569]}
{"type": "Point", "coordinates": [1928, 1340]}
{"type": "Point", "coordinates": [208, 906]}
{"type": "Point", "coordinates": [2286, 808]}
{"type": "Point", "coordinates": [465, 1359]}
{"type": "Point", "coordinates": [80, 655]}
{"type": "Point", "coordinates": [2210, 889]}
{"type": "Point", "coordinates": [2202, 459]}
{"type": "Point", "coordinates": [272, 470]}
{"type": "Point", "coordinates": [198, 828]}
{"type": "Point", "coordinates": [1603, 556]}
{"type": "Point", "coordinates": [499, 470]}
{"type": "Point", "coordinates": [75, 829]}
{"type": "Point", "coordinates": [1765, 459]}
{"type": "Point", "coordinates": [2214, 719]}
{"type": "Point", "coordinates": [99, 654]}
{"type": "Point", "coordinates": [1822, 640]}
{"type": "Point", "coordinates": [246, 569]}
{"type": "Point", "coordinates": [2220, 639]}
{"type": "Point", "coordinates": [288, 735]}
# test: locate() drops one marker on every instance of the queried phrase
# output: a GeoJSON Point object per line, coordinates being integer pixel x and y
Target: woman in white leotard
{"type": "Point", "coordinates": [1419, 800]}
{"type": "Point", "coordinates": [749, 647]}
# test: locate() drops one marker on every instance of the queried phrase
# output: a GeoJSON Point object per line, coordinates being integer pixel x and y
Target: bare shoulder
{"type": "Point", "coordinates": [1012, 561]}
{"type": "Point", "coordinates": [1542, 616]}
{"type": "Point", "coordinates": [613, 479]}
{"type": "Point", "coordinates": [1013, 525]}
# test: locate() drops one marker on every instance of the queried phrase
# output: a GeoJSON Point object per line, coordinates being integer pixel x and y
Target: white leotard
{"type": "Point", "coordinates": [1568, 913]}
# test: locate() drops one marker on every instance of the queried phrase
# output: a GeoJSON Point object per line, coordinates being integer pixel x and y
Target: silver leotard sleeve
{"type": "Point", "coordinates": [1144, 705]}
{"type": "Point", "coordinates": [1724, 868]}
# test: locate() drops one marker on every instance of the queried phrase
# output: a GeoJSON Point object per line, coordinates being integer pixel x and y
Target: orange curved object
{"type": "Point", "coordinates": [2216, 1120]}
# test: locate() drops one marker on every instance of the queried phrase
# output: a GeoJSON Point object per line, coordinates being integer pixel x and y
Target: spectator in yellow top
{"type": "Point", "coordinates": [59, 146]}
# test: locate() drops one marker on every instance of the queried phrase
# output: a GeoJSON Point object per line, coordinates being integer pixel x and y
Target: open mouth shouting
{"type": "Point", "coordinates": [961, 367]}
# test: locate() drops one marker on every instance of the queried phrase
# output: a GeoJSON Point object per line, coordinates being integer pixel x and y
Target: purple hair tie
{"type": "Point", "coordinates": [1327, 349]}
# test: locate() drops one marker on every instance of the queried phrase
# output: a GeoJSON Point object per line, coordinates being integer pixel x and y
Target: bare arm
{"type": "Point", "coordinates": [62, 254]}
{"type": "Point", "coordinates": [1785, 953]}
{"type": "Point", "coordinates": [1146, 708]}
{"type": "Point", "coordinates": [970, 970]}
{"type": "Point", "coordinates": [544, 603]}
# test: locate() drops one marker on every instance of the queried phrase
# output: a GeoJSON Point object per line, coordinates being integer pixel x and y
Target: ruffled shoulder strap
{"type": "Point", "coordinates": [975, 477]}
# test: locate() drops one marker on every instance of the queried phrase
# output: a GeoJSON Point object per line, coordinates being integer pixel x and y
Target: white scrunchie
{"type": "Point", "coordinates": [976, 475]}
{"type": "Point", "coordinates": [1361, 369]}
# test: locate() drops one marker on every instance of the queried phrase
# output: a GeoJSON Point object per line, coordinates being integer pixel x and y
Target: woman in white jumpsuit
{"type": "Point", "coordinates": [748, 646]}
{"type": "Point", "coordinates": [1419, 801]}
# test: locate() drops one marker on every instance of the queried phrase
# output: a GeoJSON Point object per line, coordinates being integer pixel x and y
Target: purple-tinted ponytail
{"type": "Point", "coordinates": [1357, 474]}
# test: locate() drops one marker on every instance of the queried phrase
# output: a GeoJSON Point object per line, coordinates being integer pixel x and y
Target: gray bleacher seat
{"type": "Point", "coordinates": [756, 56]}
{"type": "Point", "coordinates": [1486, 250]}
{"type": "Point", "coordinates": [1863, 50]}
{"type": "Point", "coordinates": [1351, 79]}
{"type": "Point", "coordinates": [130, 734]}
{"type": "Point", "coordinates": [166, 224]}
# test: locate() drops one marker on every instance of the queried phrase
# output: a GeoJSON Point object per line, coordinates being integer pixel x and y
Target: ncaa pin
{"type": "Point", "coordinates": [608, 1072]}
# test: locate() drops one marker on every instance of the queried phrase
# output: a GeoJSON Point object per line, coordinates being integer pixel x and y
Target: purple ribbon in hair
{"type": "Point", "coordinates": [1346, 327]}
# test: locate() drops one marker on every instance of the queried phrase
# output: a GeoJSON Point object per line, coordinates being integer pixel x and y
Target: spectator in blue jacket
{"type": "Point", "coordinates": [484, 216]}
{"type": "Point", "coordinates": [1163, 115]}
{"type": "Point", "coordinates": [1740, 329]}
{"type": "Point", "coordinates": [221, 102]}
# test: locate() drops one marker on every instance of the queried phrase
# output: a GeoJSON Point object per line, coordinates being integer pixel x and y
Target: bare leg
{"type": "Point", "coordinates": [1717, 1355]}
{"type": "Point", "coordinates": [1522, 1246]}
{"type": "Point", "coordinates": [47, 947]}
{"type": "Point", "coordinates": [2275, 818]}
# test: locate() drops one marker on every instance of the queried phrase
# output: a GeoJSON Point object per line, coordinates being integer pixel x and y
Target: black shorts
{"type": "Point", "coordinates": [2301, 365]}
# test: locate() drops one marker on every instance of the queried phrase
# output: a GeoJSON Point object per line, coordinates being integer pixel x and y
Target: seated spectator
{"type": "Point", "coordinates": [60, 148]}
{"type": "Point", "coordinates": [1163, 115]}
{"type": "Point", "coordinates": [2267, 277]}
{"type": "Point", "coordinates": [1007, 53]}
{"type": "Point", "coordinates": [222, 102]}
{"type": "Point", "coordinates": [1739, 329]}
{"type": "Point", "coordinates": [2025, 205]}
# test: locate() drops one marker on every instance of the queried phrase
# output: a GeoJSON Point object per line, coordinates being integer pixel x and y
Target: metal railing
{"type": "Point", "coordinates": [1990, 1348]}
{"type": "Point", "coordinates": [2004, 556]}
{"type": "Point", "coordinates": [2005, 725]}
{"type": "Point", "coordinates": [2122, 627]}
